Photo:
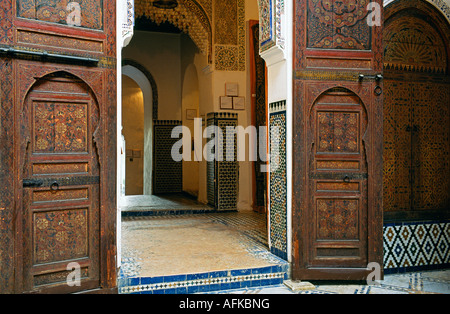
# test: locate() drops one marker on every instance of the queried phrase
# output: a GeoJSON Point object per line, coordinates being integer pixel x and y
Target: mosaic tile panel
{"type": "Point", "coordinates": [223, 176]}
{"type": "Point", "coordinates": [278, 180]}
{"type": "Point", "coordinates": [205, 282]}
{"type": "Point", "coordinates": [416, 245]}
{"type": "Point", "coordinates": [168, 174]}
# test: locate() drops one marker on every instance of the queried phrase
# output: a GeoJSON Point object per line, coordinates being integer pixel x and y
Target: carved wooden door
{"type": "Point", "coordinates": [337, 211]}
{"type": "Point", "coordinates": [60, 187]}
{"type": "Point", "coordinates": [338, 181]}
{"type": "Point", "coordinates": [416, 112]}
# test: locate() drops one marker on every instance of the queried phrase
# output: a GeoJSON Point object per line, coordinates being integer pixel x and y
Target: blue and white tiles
{"type": "Point", "coordinates": [205, 282]}
{"type": "Point", "coordinates": [278, 180]}
{"type": "Point", "coordinates": [179, 255]}
{"type": "Point", "coordinates": [416, 246]}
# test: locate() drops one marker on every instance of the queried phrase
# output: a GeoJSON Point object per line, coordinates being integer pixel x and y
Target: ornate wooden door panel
{"type": "Point", "coordinates": [338, 181]}
{"type": "Point", "coordinates": [416, 132]}
{"type": "Point", "coordinates": [416, 112]}
{"type": "Point", "coordinates": [397, 146]}
{"type": "Point", "coordinates": [57, 130]}
{"type": "Point", "coordinates": [337, 128]}
{"type": "Point", "coordinates": [60, 185]}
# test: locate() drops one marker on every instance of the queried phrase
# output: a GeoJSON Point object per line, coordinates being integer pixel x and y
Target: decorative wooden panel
{"type": "Point", "coordinates": [40, 52]}
{"type": "Point", "coordinates": [59, 127]}
{"type": "Point", "coordinates": [338, 25]}
{"type": "Point", "coordinates": [61, 205]}
{"type": "Point", "coordinates": [57, 11]}
{"type": "Point", "coordinates": [416, 112]}
{"type": "Point", "coordinates": [337, 140]}
{"type": "Point", "coordinates": [259, 118]}
{"type": "Point", "coordinates": [338, 197]}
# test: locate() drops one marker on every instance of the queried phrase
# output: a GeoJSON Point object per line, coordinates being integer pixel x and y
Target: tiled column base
{"type": "Point", "coordinates": [205, 282]}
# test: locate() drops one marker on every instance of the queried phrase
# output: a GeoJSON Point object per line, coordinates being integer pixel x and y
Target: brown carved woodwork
{"type": "Point", "coordinates": [337, 126]}
{"type": "Point", "coordinates": [338, 200]}
{"type": "Point", "coordinates": [338, 25]}
{"type": "Point", "coordinates": [416, 113]}
{"type": "Point", "coordinates": [259, 112]}
{"type": "Point", "coordinates": [91, 11]}
{"type": "Point", "coordinates": [60, 224]}
{"type": "Point", "coordinates": [57, 125]}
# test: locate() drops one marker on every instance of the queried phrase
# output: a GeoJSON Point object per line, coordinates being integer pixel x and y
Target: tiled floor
{"type": "Point", "coordinates": [430, 282]}
{"type": "Point", "coordinates": [165, 250]}
{"type": "Point", "coordinates": [194, 243]}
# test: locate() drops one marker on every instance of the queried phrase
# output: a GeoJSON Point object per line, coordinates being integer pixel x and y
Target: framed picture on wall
{"type": "Point", "coordinates": [191, 114]}
{"type": "Point", "coordinates": [239, 103]}
{"type": "Point", "coordinates": [232, 89]}
{"type": "Point", "coordinates": [226, 102]}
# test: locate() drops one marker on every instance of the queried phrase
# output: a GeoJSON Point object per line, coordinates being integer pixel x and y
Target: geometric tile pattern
{"type": "Point", "coordinates": [278, 180]}
{"type": "Point", "coordinates": [251, 230]}
{"type": "Point", "coordinates": [222, 176]}
{"type": "Point", "coordinates": [167, 172]}
{"type": "Point", "coordinates": [416, 245]}
{"type": "Point", "coordinates": [205, 282]}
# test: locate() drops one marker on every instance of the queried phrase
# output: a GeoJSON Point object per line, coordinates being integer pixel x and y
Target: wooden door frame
{"type": "Point", "coordinates": [253, 91]}
{"type": "Point", "coordinates": [318, 81]}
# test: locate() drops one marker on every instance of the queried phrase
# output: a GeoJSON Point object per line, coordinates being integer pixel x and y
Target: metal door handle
{"type": "Point", "coordinates": [377, 77]}
{"type": "Point", "coordinates": [54, 186]}
{"type": "Point", "coordinates": [32, 183]}
{"type": "Point", "coordinates": [347, 179]}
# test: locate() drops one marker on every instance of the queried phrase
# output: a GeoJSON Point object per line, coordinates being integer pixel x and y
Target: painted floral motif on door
{"type": "Point", "coordinates": [338, 132]}
{"type": "Point", "coordinates": [338, 24]}
{"type": "Point", "coordinates": [60, 127]}
{"type": "Point", "coordinates": [337, 219]}
{"type": "Point", "coordinates": [58, 11]}
{"type": "Point", "coordinates": [60, 235]}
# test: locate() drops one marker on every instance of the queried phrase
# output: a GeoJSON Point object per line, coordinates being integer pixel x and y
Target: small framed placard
{"type": "Point", "coordinates": [239, 103]}
{"type": "Point", "coordinates": [232, 89]}
{"type": "Point", "coordinates": [191, 114]}
{"type": "Point", "coordinates": [226, 102]}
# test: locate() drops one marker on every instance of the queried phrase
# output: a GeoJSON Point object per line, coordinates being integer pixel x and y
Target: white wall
{"type": "Point", "coordinates": [167, 57]}
{"type": "Point", "coordinates": [160, 55]}
{"type": "Point", "coordinates": [280, 87]}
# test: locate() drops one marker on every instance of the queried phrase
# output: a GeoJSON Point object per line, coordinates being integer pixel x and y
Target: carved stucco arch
{"type": "Point", "coordinates": [189, 16]}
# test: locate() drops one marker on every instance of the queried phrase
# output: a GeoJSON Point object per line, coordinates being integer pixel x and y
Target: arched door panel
{"type": "Point", "coordinates": [61, 186]}
{"type": "Point", "coordinates": [338, 181]}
